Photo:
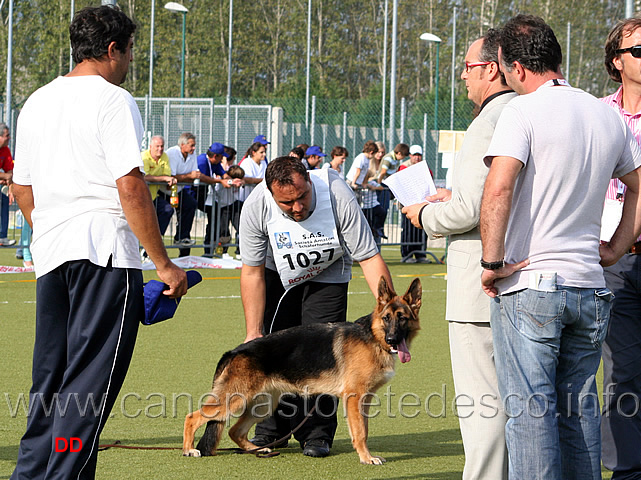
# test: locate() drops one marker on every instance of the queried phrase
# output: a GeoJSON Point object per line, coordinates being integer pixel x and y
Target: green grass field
{"type": "Point", "coordinates": [416, 429]}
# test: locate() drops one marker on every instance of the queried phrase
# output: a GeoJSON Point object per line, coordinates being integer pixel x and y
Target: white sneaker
{"type": "Point", "coordinates": [185, 242]}
{"type": "Point", "coordinates": [5, 242]}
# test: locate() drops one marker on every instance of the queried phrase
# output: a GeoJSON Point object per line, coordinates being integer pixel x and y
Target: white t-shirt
{"type": "Point", "coordinates": [361, 161]}
{"type": "Point", "coordinates": [226, 196]}
{"type": "Point", "coordinates": [340, 168]}
{"type": "Point", "coordinates": [571, 145]}
{"type": "Point", "coordinates": [75, 137]}
{"type": "Point", "coordinates": [179, 164]}
{"type": "Point", "coordinates": [254, 170]}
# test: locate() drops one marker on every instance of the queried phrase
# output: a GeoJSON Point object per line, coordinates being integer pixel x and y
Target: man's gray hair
{"type": "Point", "coordinates": [185, 137]}
{"type": "Point", "coordinates": [3, 127]}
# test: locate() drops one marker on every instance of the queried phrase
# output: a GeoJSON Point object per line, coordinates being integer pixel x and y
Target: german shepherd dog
{"type": "Point", "coordinates": [349, 360]}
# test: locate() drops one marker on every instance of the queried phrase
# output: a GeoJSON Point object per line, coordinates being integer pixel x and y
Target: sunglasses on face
{"type": "Point", "coordinates": [634, 51]}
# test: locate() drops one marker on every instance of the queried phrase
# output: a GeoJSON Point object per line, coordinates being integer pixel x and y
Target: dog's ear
{"type": "Point", "coordinates": [385, 293]}
{"type": "Point", "coordinates": [413, 296]}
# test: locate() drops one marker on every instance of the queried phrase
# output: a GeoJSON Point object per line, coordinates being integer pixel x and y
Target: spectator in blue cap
{"type": "Point", "coordinates": [261, 139]}
{"type": "Point", "coordinates": [212, 172]}
{"type": "Point", "coordinates": [313, 157]}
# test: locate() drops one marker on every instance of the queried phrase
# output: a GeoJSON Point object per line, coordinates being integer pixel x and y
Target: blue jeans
{"type": "Point", "coordinates": [548, 348]}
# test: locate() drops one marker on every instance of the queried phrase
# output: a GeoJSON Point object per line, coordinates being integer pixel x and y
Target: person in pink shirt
{"type": "Point", "coordinates": [621, 422]}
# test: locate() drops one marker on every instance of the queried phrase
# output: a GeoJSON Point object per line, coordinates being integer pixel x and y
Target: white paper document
{"type": "Point", "coordinates": [612, 212]}
{"type": "Point", "coordinates": [412, 184]}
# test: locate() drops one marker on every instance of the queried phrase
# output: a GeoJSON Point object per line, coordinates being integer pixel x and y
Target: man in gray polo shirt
{"type": "Point", "coordinates": [552, 155]}
{"type": "Point", "coordinates": [296, 220]}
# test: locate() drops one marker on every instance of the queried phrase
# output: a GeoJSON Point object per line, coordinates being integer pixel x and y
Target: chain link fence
{"type": "Point", "coordinates": [287, 123]}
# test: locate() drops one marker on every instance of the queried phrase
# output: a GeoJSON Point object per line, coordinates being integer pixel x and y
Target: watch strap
{"type": "Point", "coordinates": [493, 265]}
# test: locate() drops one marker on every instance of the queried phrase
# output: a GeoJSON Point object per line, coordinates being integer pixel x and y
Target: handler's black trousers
{"type": "Point", "coordinates": [311, 302]}
{"type": "Point", "coordinates": [86, 325]}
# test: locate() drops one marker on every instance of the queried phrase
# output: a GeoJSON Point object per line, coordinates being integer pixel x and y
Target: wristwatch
{"type": "Point", "coordinates": [229, 182]}
{"type": "Point", "coordinates": [492, 265]}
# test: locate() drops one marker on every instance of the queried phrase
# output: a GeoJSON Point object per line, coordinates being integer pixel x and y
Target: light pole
{"type": "Point", "coordinates": [429, 37]}
{"type": "Point", "coordinates": [151, 50]}
{"type": "Point", "coordinates": [7, 107]}
{"type": "Point", "coordinates": [177, 7]}
{"type": "Point", "coordinates": [229, 48]}
{"type": "Point", "coordinates": [453, 83]}
{"type": "Point", "coordinates": [309, 47]}
{"type": "Point", "coordinates": [384, 76]}
{"type": "Point", "coordinates": [392, 83]}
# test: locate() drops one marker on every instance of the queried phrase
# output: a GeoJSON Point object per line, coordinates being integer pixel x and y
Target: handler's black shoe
{"type": "Point", "coordinates": [262, 440]}
{"type": "Point", "coordinates": [316, 448]}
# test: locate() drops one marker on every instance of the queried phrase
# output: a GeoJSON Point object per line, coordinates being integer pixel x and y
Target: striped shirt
{"type": "Point", "coordinates": [616, 189]}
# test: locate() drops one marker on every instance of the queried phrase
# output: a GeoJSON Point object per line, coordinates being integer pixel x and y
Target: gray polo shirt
{"type": "Point", "coordinates": [354, 233]}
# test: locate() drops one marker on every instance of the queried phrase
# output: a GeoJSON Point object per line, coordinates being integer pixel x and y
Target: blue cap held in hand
{"type": "Point", "coordinates": [159, 307]}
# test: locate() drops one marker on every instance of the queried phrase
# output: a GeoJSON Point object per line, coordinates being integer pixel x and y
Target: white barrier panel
{"type": "Point", "coordinates": [183, 262]}
{"type": "Point", "coordinates": [7, 269]}
{"type": "Point", "coordinates": [200, 262]}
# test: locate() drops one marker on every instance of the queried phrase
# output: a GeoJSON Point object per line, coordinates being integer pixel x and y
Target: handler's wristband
{"type": "Point", "coordinates": [492, 265]}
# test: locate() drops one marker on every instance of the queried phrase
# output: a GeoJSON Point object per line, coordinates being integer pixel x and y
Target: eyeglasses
{"type": "Point", "coordinates": [634, 51]}
{"type": "Point", "coordinates": [470, 66]}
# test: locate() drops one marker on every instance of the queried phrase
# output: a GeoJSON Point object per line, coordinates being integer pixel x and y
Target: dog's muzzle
{"type": "Point", "coordinates": [401, 349]}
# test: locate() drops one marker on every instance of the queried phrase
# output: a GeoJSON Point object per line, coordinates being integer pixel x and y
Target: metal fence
{"type": "Point", "coordinates": [331, 123]}
{"type": "Point", "coordinates": [169, 117]}
{"type": "Point", "coordinates": [224, 224]}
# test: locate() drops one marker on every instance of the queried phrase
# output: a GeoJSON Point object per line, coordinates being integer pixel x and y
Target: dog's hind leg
{"type": "Point", "coordinates": [238, 433]}
{"type": "Point", "coordinates": [358, 429]}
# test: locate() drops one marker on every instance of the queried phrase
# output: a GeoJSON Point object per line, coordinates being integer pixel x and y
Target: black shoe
{"type": "Point", "coordinates": [262, 440]}
{"type": "Point", "coordinates": [316, 448]}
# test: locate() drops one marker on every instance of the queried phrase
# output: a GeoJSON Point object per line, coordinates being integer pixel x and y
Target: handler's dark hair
{"type": "Point", "coordinates": [94, 28]}
{"type": "Point", "coordinates": [622, 29]}
{"type": "Point", "coordinates": [282, 169]}
{"type": "Point", "coordinates": [527, 39]}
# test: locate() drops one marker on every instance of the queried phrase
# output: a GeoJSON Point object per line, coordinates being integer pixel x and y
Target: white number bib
{"type": "Point", "coordinates": [303, 250]}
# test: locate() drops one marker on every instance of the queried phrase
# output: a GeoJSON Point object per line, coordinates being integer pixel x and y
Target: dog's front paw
{"type": "Point", "coordinates": [192, 453]}
{"type": "Point", "coordinates": [262, 451]}
{"type": "Point", "coordinates": [372, 460]}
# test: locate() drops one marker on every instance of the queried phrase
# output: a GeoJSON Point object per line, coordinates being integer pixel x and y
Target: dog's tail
{"type": "Point", "coordinates": [222, 364]}
{"type": "Point", "coordinates": [209, 441]}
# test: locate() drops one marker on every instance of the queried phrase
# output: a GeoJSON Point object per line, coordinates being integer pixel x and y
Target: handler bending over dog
{"type": "Point", "coordinates": [300, 232]}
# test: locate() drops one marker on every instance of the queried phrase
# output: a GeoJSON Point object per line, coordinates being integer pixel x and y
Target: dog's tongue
{"type": "Point", "coordinates": [403, 353]}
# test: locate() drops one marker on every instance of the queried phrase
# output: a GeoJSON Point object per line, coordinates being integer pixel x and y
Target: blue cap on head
{"type": "Point", "coordinates": [315, 150]}
{"type": "Point", "coordinates": [218, 149]}
{"type": "Point", "coordinates": [159, 307]}
{"type": "Point", "coordinates": [261, 139]}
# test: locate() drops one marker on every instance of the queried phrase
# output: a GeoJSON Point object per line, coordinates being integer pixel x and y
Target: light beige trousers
{"type": "Point", "coordinates": [479, 408]}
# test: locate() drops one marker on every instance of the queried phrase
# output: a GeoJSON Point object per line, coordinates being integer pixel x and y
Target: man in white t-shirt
{"type": "Point", "coordinates": [553, 153]}
{"type": "Point", "coordinates": [85, 217]}
{"type": "Point", "coordinates": [184, 166]}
